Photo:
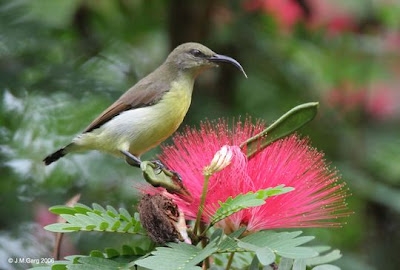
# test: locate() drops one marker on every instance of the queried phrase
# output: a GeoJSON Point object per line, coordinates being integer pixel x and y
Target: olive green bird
{"type": "Point", "coordinates": [150, 111]}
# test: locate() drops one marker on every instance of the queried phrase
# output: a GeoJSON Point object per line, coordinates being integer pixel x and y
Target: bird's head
{"type": "Point", "coordinates": [195, 57]}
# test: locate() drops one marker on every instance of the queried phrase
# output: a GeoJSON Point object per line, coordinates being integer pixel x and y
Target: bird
{"type": "Point", "coordinates": [150, 111]}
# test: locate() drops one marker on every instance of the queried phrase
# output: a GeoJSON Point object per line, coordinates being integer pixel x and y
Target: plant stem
{"type": "Point", "coordinates": [204, 231]}
{"type": "Point", "coordinates": [206, 262]}
{"type": "Point", "coordinates": [228, 265]}
{"type": "Point", "coordinates": [57, 246]}
{"type": "Point", "coordinates": [201, 206]}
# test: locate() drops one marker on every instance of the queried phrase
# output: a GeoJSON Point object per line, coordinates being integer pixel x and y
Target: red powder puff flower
{"type": "Point", "coordinates": [317, 197]}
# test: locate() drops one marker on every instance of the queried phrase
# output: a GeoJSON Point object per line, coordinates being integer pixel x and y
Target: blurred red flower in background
{"type": "Point", "coordinates": [332, 16]}
{"type": "Point", "coordinates": [43, 217]}
{"type": "Point", "coordinates": [379, 101]}
{"type": "Point", "coordinates": [317, 197]}
{"type": "Point", "coordinates": [320, 14]}
{"type": "Point", "coordinates": [286, 12]}
{"type": "Point", "coordinates": [382, 102]}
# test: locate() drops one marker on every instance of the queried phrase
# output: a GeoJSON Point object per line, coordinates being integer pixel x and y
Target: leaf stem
{"type": "Point", "coordinates": [202, 201]}
{"type": "Point", "coordinates": [57, 246]}
{"type": "Point", "coordinates": [203, 233]}
{"type": "Point", "coordinates": [228, 265]}
{"type": "Point", "coordinates": [206, 262]}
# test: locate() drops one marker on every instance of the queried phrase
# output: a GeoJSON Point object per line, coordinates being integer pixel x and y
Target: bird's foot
{"type": "Point", "coordinates": [176, 176]}
{"type": "Point", "coordinates": [162, 168]}
{"type": "Point", "coordinates": [159, 165]}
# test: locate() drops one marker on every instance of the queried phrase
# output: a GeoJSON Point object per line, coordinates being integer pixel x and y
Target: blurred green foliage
{"type": "Point", "coordinates": [62, 62]}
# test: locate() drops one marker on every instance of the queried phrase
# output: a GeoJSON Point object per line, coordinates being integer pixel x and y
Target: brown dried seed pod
{"type": "Point", "coordinates": [159, 215]}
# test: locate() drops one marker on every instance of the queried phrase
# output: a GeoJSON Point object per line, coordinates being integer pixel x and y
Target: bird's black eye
{"type": "Point", "coordinates": [196, 53]}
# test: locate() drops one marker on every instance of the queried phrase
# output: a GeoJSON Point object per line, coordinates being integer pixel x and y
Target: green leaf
{"type": "Point", "coordinates": [84, 218]}
{"type": "Point", "coordinates": [95, 218]}
{"type": "Point", "coordinates": [81, 208]}
{"type": "Point", "coordinates": [270, 238]}
{"type": "Point", "coordinates": [286, 244]}
{"type": "Point", "coordinates": [90, 227]}
{"type": "Point", "coordinates": [238, 233]}
{"type": "Point", "coordinates": [285, 264]}
{"type": "Point", "coordinates": [264, 254]}
{"type": "Point", "coordinates": [247, 246]}
{"type": "Point", "coordinates": [329, 257]}
{"type": "Point", "coordinates": [86, 267]}
{"type": "Point", "coordinates": [228, 242]}
{"type": "Point", "coordinates": [273, 191]}
{"type": "Point", "coordinates": [62, 209]}
{"type": "Point", "coordinates": [73, 258]}
{"type": "Point", "coordinates": [111, 253]}
{"type": "Point", "coordinates": [321, 249]}
{"type": "Point", "coordinates": [285, 125]}
{"type": "Point", "coordinates": [73, 220]}
{"type": "Point", "coordinates": [116, 225]}
{"type": "Point", "coordinates": [326, 267]}
{"type": "Point", "coordinates": [178, 256]}
{"type": "Point", "coordinates": [59, 267]}
{"type": "Point", "coordinates": [97, 260]}
{"type": "Point", "coordinates": [297, 252]}
{"type": "Point", "coordinates": [97, 263]}
{"type": "Point", "coordinates": [127, 250]}
{"type": "Point", "coordinates": [216, 234]}
{"type": "Point", "coordinates": [112, 211]}
{"type": "Point", "coordinates": [243, 201]}
{"type": "Point", "coordinates": [299, 264]}
{"type": "Point", "coordinates": [99, 209]}
{"type": "Point", "coordinates": [254, 264]}
{"type": "Point", "coordinates": [233, 205]}
{"type": "Point", "coordinates": [228, 245]}
{"type": "Point", "coordinates": [62, 228]}
{"type": "Point", "coordinates": [96, 253]}
{"type": "Point", "coordinates": [124, 214]}
{"type": "Point", "coordinates": [139, 251]}
{"type": "Point", "coordinates": [127, 227]}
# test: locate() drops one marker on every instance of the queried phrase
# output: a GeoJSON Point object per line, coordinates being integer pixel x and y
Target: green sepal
{"type": "Point", "coordinates": [284, 126]}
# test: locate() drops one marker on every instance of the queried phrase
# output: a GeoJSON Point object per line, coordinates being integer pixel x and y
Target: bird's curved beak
{"type": "Point", "coordinates": [218, 58]}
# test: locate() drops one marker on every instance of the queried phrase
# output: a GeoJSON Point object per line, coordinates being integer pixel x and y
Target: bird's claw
{"type": "Point", "coordinates": [158, 165]}
{"type": "Point", "coordinates": [176, 176]}
{"type": "Point", "coordinates": [162, 168]}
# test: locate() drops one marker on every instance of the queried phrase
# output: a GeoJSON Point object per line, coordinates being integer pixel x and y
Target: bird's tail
{"type": "Point", "coordinates": [56, 155]}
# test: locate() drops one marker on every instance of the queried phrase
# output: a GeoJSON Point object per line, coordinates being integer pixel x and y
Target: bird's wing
{"type": "Point", "coordinates": [142, 94]}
